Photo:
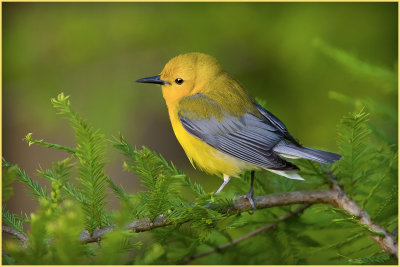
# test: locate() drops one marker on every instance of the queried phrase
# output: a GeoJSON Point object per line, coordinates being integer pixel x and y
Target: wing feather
{"type": "Point", "coordinates": [249, 137]}
{"type": "Point", "coordinates": [277, 123]}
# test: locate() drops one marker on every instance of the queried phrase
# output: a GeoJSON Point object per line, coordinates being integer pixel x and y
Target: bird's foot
{"type": "Point", "coordinates": [250, 197]}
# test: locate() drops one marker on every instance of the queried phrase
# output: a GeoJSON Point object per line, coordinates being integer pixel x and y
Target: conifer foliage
{"type": "Point", "coordinates": [175, 221]}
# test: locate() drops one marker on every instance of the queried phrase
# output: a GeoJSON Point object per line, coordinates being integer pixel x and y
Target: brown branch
{"type": "Point", "coordinates": [283, 199]}
{"type": "Point", "coordinates": [247, 236]}
{"type": "Point", "coordinates": [271, 200]}
{"type": "Point", "coordinates": [139, 225]}
{"type": "Point", "coordinates": [335, 197]}
{"type": "Point", "coordinates": [385, 240]}
{"type": "Point", "coordinates": [11, 231]}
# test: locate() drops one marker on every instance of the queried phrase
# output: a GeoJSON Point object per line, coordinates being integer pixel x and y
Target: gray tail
{"type": "Point", "coordinates": [292, 151]}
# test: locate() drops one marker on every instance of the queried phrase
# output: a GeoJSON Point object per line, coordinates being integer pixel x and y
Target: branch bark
{"type": "Point", "coordinates": [11, 231]}
{"type": "Point", "coordinates": [262, 202]}
{"type": "Point", "coordinates": [387, 241]}
{"type": "Point", "coordinates": [383, 238]}
{"type": "Point", "coordinates": [335, 197]}
{"type": "Point", "coordinates": [139, 225]}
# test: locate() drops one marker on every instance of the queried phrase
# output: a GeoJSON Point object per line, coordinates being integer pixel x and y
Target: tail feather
{"type": "Point", "coordinates": [290, 150]}
{"type": "Point", "coordinates": [288, 174]}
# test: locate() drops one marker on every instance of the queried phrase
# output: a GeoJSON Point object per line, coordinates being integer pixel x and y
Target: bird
{"type": "Point", "coordinates": [222, 128]}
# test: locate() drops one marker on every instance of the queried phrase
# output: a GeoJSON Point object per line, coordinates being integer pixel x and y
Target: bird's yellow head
{"type": "Point", "coordinates": [184, 75]}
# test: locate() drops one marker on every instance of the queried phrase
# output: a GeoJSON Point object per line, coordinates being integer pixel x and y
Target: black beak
{"type": "Point", "coordinates": [154, 79]}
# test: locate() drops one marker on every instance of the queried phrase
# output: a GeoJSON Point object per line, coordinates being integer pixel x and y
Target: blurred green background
{"type": "Point", "coordinates": [95, 51]}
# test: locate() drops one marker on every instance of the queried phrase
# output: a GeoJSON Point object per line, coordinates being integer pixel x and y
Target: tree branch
{"type": "Point", "coordinates": [11, 231]}
{"type": "Point", "coordinates": [335, 197]}
{"type": "Point", "coordinates": [267, 201]}
{"type": "Point", "coordinates": [283, 199]}
{"type": "Point", "coordinates": [139, 225]}
{"type": "Point", "coordinates": [247, 236]}
{"type": "Point", "coordinates": [385, 240]}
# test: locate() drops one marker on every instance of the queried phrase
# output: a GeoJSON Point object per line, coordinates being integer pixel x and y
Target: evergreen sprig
{"type": "Point", "coordinates": [375, 258]}
{"type": "Point", "coordinates": [90, 153]}
{"type": "Point", "coordinates": [35, 188]}
{"type": "Point", "coordinates": [163, 181]}
{"type": "Point", "coordinates": [62, 173]}
{"type": "Point", "coordinates": [8, 177]}
{"type": "Point", "coordinates": [30, 140]}
{"type": "Point", "coordinates": [53, 237]}
{"type": "Point", "coordinates": [14, 221]}
{"type": "Point", "coordinates": [390, 161]}
{"type": "Point", "coordinates": [156, 175]}
{"type": "Point", "coordinates": [192, 228]}
{"type": "Point", "coordinates": [353, 134]}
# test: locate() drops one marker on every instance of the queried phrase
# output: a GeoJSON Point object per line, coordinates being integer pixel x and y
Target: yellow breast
{"type": "Point", "coordinates": [205, 156]}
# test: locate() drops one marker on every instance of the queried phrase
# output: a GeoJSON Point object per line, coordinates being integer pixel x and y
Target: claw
{"type": "Point", "coordinates": [250, 197]}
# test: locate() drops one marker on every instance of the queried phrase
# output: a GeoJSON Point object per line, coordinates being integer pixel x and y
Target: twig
{"type": "Point", "coordinates": [335, 196]}
{"type": "Point", "coordinates": [247, 236]}
{"type": "Point", "coordinates": [384, 239]}
{"type": "Point", "coordinates": [283, 199]}
{"type": "Point", "coordinates": [11, 231]}
{"type": "Point", "coordinates": [28, 138]}
{"type": "Point", "coordinates": [271, 200]}
{"type": "Point", "coordinates": [139, 225]}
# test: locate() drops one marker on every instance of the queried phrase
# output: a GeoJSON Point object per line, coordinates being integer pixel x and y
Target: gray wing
{"type": "Point", "coordinates": [248, 138]}
{"type": "Point", "coordinates": [277, 123]}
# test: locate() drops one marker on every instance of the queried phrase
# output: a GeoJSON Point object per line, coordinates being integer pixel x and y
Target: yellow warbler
{"type": "Point", "coordinates": [221, 127]}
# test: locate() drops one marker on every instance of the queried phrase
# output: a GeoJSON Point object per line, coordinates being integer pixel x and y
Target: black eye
{"type": "Point", "coordinates": [179, 81]}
